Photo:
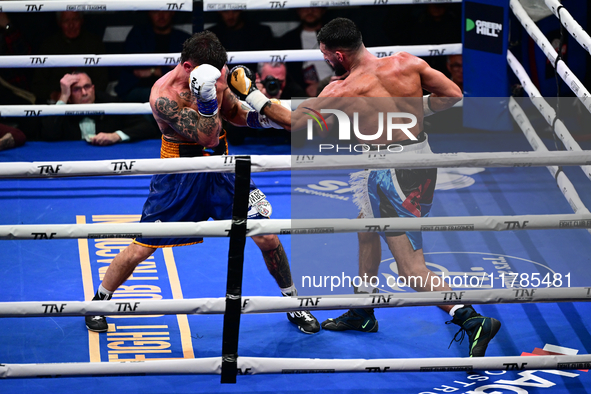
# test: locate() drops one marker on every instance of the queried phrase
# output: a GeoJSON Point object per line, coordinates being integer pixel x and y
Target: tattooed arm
{"type": "Point", "coordinates": [187, 122]}
{"type": "Point", "coordinates": [233, 110]}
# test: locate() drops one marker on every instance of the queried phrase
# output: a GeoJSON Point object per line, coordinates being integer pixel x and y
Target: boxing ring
{"type": "Point", "coordinates": [66, 228]}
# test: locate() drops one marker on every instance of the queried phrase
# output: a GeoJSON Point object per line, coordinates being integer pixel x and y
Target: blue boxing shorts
{"type": "Point", "coordinates": [397, 193]}
{"type": "Point", "coordinates": [195, 197]}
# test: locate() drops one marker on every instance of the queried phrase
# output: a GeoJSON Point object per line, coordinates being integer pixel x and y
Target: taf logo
{"type": "Point", "coordinates": [38, 60]}
{"type": "Point", "coordinates": [171, 60]}
{"type": "Point", "coordinates": [278, 58]}
{"type": "Point", "coordinates": [48, 169]}
{"type": "Point", "coordinates": [33, 7]}
{"type": "Point", "coordinates": [91, 60]}
{"type": "Point", "coordinates": [122, 165]}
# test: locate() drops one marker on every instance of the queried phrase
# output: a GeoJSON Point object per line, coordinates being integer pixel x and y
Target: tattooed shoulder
{"type": "Point", "coordinates": [188, 97]}
{"type": "Point", "coordinates": [166, 107]}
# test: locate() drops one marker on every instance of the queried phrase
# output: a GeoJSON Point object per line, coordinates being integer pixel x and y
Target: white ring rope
{"type": "Point", "coordinates": [571, 25]}
{"type": "Point", "coordinates": [221, 228]}
{"type": "Point", "coordinates": [76, 109]}
{"type": "Point", "coordinates": [266, 163]}
{"type": "Point", "coordinates": [564, 184]}
{"type": "Point", "coordinates": [259, 304]}
{"type": "Point", "coordinates": [90, 60]}
{"type": "Point", "coordinates": [97, 109]}
{"type": "Point", "coordinates": [548, 113]}
{"type": "Point", "coordinates": [87, 109]}
{"type": "Point", "coordinates": [168, 59]}
{"type": "Point", "coordinates": [96, 5]}
{"type": "Point", "coordinates": [302, 55]}
{"type": "Point", "coordinates": [257, 365]}
{"type": "Point", "coordinates": [171, 59]}
{"type": "Point", "coordinates": [267, 365]}
{"type": "Point", "coordinates": [561, 68]}
{"type": "Point", "coordinates": [224, 5]}
{"type": "Point", "coordinates": [527, 85]}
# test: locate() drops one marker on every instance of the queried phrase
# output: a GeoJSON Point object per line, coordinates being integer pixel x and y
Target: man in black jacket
{"type": "Point", "coordinates": [77, 88]}
{"type": "Point", "coordinates": [72, 38]}
{"type": "Point", "coordinates": [306, 74]}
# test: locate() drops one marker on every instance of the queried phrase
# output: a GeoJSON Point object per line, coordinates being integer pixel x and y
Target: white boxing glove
{"type": "Point", "coordinates": [202, 83]}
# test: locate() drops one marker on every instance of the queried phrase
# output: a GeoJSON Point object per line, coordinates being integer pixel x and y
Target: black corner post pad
{"type": "Point", "coordinates": [235, 269]}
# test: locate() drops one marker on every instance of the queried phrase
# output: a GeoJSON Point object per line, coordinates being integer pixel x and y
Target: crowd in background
{"type": "Point", "coordinates": [164, 32]}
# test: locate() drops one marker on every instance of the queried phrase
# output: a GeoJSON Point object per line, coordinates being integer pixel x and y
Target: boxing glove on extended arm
{"type": "Point", "coordinates": [241, 83]}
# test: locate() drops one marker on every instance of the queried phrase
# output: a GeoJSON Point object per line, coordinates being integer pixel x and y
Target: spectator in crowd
{"type": "Point", "coordinates": [77, 88]}
{"type": "Point", "coordinates": [13, 81]}
{"type": "Point", "coordinates": [273, 81]}
{"type": "Point", "coordinates": [15, 84]}
{"type": "Point", "coordinates": [71, 39]}
{"type": "Point", "coordinates": [306, 74]}
{"type": "Point", "coordinates": [438, 24]}
{"type": "Point", "coordinates": [424, 25]}
{"type": "Point", "coordinates": [159, 36]}
{"type": "Point", "coordinates": [237, 32]}
{"type": "Point", "coordinates": [456, 70]}
{"type": "Point", "coordinates": [11, 137]}
{"type": "Point", "coordinates": [374, 22]}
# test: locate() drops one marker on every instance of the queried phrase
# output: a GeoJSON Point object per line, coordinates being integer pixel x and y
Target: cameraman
{"type": "Point", "coordinates": [272, 80]}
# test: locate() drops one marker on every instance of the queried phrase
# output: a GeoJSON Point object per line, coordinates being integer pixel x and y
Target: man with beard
{"type": "Point", "coordinates": [306, 74]}
{"type": "Point", "coordinates": [394, 193]}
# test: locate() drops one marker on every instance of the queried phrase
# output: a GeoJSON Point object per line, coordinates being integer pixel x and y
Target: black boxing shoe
{"type": "Point", "coordinates": [480, 329]}
{"type": "Point", "coordinates": [354, 319]}
{"type": "Point", "coordinates": [305, 321]}
{"type": "Point", "coordinates": [96, 323]}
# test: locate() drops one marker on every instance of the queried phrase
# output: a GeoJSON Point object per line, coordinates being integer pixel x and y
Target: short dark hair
{"type": "Point", "coordinates": [340, 33]}
{"type": "Point", "coordinates": [78, 72]}
{"type": "Point", "coordinates": [204, 48]}
{"type": "Point", "coordinates": [272, 64]}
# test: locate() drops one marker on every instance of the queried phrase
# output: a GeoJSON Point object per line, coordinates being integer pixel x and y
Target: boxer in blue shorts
{"type": "Point", "coordinates": [397, 192]}
{"type": "Point", "coordinates": [393, 193]}
{"type": "Point", "coordinates": [203, 196]}
{"type": "Point", "coordinates": [189, 104]}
